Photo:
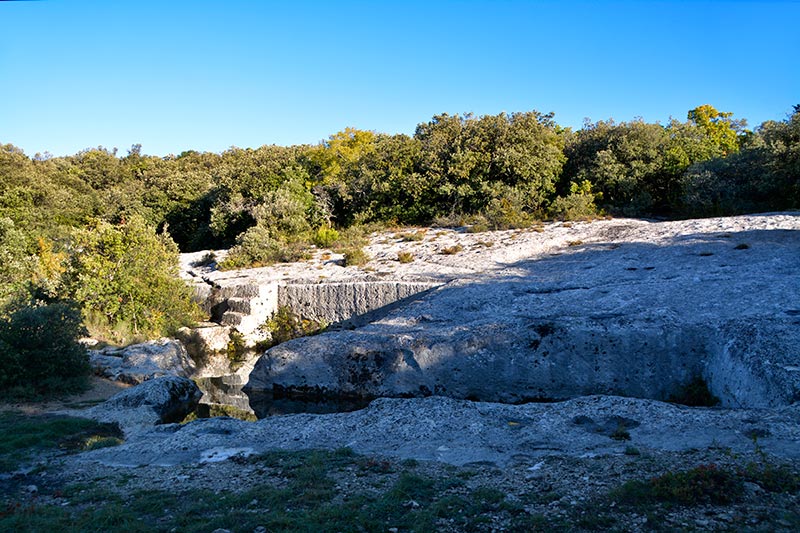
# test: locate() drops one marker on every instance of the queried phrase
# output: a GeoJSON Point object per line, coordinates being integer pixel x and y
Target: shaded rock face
{"type": "Point", "coordinates": [640, 310]}
{"type": "Point", "coordinates": [207, 345]}
{"type": "Point", "coordinates": [140, 362]}
{"type": "Point", "coordinates": [157, 401]}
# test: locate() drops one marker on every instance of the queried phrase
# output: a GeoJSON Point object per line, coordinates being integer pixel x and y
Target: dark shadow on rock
{"type": "Point", "coordinates": [631, 319]}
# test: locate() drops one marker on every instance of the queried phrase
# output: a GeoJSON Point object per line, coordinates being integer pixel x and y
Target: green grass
{"type": "Point", "coordinates": [23, 437]}
{"type": "Point", "coordinates": [305, 499]}
{"type": "Point", "coordinates": [705, 484]}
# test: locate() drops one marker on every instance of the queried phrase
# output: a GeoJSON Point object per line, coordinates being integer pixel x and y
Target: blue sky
{"type": "Point", "coordinates": [206, 75]}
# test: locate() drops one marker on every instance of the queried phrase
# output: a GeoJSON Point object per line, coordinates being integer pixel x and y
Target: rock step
{"type": "Point", "coordinates": [241, 305]}
{"type": "Point", "coordinates": [244, 290]}
{"type": "Point", "coordinates": [244, 324]}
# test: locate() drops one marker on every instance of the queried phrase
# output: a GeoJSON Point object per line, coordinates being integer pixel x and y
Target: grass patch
{"type": "Point", "coordinates": [415, 236]}
{"type": "Point", "coordinates": [452, 250]}
{"type": "Point", "coordinates": [405, 257]}
{"type": "Point", "coordinates": [299, 493]}
{"type": "Point", "coordinates": [24, 437]}
{"type": "Point", "coordinates": [705, 484]}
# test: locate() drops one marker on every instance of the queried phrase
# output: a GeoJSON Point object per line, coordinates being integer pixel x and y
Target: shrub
{"type": "Point", "coordinates": [355, 257]}
{"type": "Point", "coordinates": [620, 433]}
{"type": "Point", "coordinates": [285, 325]}
{"type": "Point", "coordinates": [701, 485]}
{"type": "Point", "coordinates": [126, 279]}
{"type": "Point", "coordinates": [509, 211]}
{"type": "Point", "coordinates": [578, 205]}
{"type": "Point", "coordinates": [352, 237]}
{"type": "Point", "coordinates": [325, 237]}
{"type": "Point", "coordinates": [405, 257]}
{"type": "Point", "coordinates": [40, 353]}
{"type": "Point", "coordinates": [258, 247]}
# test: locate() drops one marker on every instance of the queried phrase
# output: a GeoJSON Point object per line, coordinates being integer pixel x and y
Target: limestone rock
{"type": "Point", "coordinates": [461, 432]}
{"type": "Point", "coordinates": [140, 362]}
{"type": "Point", "coordinates": [160, 400]}
{"type": "Point", "coordinates": [630, 308]}
{"type": "Point", "coordinates": [207, 345]}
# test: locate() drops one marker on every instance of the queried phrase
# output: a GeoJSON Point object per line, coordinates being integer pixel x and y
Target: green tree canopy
{"type": "Point", "coordinates": [125, 278]}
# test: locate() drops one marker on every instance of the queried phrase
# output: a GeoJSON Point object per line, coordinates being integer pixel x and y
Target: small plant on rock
{"type": "Point", "coordinates": [325, 237]}
{"type": "Point", "coordinates": [286, 325]}
{"type": "Point", "coordinates": [236, 349]}
{"type": "Point", "coordinates": [355, 257]}
{"type": "Point", "coordinates": [621, 433]}
{"type": "Point", "coordinates": [405, 257]}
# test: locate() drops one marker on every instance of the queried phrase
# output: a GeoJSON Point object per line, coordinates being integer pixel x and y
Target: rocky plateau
{"type": "Point", "coordinates": [507, 347]}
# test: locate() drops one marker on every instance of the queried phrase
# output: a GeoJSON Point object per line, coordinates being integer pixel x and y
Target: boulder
{"type": "Point", "coordinates": [630, 308]}
{"type": "Point", "coordinates": [140, 362]}
{"type": "Point", "coordinates": [160, 400]}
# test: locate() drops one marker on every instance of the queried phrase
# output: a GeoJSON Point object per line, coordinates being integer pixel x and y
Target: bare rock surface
{"type": "Point", "coordinates": [621, 307]}
{"type": "Point", "coordinates": [156, 401]}
{"type": "Point", "coordinates": [461, 432]}
{"type": "Point", "coordinates": [207, 345]}
{"type": "Point", "coordinates": [140, 362]}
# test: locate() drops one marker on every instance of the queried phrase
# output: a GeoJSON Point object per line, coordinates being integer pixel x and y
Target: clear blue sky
{"type": "Point", "coordinates": [206, 75]}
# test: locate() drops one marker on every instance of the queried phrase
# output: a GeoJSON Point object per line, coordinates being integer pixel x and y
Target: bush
{"type": "Point", "coordinates": [701, 485]}
{"type": "Point", "coordinates": [285, 325]}
{"type": "Point", "coordinates": [40, 353]}
{"type": "Point", "coordinates": [509, 210]}
{"type": "Point", "coordinates": [126, 279]}
{"type": "Point", "coordinates": [258, 247]}
{"type": "Point", "coordinates": [355, 257]}
{"type": "Point", "coordinates": [325, 237]}
{"type": "Point", "coordinates": [578, 205]}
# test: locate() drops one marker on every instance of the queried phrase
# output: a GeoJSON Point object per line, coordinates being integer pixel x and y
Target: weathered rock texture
{"type": "Point", "coordinates": [348, 304]}
{"type": "Point", "coordinates": [140, 362]}
{"type": "Point", "coordinates": [207, 345]}
{"type": "Point", "coordinates": [622, 307]}
{"type": "Point", "coordinates": [156, 401]}
{"type": "Point", "coordinates": [462, 432]}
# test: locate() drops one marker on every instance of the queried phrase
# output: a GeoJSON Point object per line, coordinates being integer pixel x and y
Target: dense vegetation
{"type": "Point", "coordinates": [104, 231]}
